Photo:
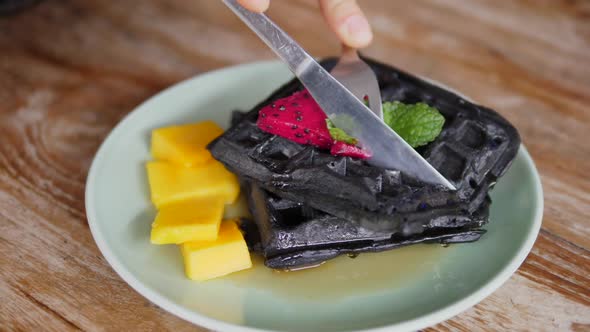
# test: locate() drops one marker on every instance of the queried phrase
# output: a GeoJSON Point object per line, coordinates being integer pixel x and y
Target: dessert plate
{"type": "Point", "coordinates": [400, 290]}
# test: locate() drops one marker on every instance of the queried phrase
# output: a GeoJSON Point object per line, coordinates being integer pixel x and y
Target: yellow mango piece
{"type": "Point", "coordinates": [205, 260]}
{"type": "Point", "coordinates": [192, 220]}
{"type": "Point", "coordinates": [171, 183]}
{"type": "Point", "coordinates": [184, 144]}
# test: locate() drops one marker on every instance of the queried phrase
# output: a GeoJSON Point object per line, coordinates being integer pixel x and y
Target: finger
{"type": "Point", "coordinates": [347, 20]}
{"type": "Point", "coordinates": [257, 6]}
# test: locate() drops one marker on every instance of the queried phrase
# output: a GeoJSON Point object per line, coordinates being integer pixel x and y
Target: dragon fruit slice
{"type": "Point", "coordinates": [298, 118]}
{"type": "Point", "coordinates": [344, 149]}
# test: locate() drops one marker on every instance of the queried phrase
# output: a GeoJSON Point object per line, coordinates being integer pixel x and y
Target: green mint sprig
{"type": "Point", "coordinates": [418, 124]}
{"type": "Point", "coordinates": [339, 134]}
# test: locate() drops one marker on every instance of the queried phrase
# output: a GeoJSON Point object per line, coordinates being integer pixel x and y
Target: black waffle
{"type": "Point", "coordinates": [294, 235]}
{"type": "Point", "coordinates": [475, 147]}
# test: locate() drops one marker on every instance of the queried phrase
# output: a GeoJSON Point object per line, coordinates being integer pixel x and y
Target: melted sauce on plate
{"type": "Point", "coordinates": [343, 276]}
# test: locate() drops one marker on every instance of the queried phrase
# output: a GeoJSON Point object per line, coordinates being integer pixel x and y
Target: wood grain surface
{"type": "Point", "coordinates": [70, 70]}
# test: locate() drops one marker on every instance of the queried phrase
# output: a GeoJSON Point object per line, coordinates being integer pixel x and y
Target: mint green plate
{"type": "Point", "coordinates": [401, 290]}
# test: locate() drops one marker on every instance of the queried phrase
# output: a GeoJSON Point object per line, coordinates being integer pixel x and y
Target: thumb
{"type": "Point", "coordinates": [347, 20]}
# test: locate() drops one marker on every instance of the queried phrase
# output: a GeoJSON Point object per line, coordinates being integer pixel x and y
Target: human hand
{"type": "Point", "coordinates": [344, 17]}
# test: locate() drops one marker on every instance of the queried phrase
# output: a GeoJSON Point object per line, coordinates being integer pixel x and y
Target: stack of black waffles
{"type": "Point", "coordinates": [309, 206]}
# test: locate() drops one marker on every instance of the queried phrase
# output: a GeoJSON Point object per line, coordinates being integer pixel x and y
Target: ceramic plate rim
{"type": "Point", "coordinates": [196, 318]}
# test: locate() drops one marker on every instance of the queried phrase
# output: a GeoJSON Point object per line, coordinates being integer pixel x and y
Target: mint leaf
{"type": "Point", "coordinates": [418, 124]}
{"type": "Point", "coordinates": [339, 134]}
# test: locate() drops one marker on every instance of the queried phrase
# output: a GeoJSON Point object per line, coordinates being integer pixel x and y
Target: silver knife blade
{"type": "Point", "coordinates": [388, 149]}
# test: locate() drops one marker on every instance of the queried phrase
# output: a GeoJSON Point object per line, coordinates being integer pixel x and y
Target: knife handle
{"type": "Point", "coordinates": [278, 40]}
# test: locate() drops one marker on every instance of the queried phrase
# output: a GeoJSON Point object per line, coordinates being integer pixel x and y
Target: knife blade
{"type": "Point", "coordinates": [388, 149]}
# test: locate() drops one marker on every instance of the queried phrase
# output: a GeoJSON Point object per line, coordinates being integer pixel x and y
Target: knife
{"type": "Point", "coordinates": [388, 149]}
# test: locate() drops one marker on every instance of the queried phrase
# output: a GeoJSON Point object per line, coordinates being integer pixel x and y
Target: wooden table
{"type": "Point", "coordinates": [70, 70]}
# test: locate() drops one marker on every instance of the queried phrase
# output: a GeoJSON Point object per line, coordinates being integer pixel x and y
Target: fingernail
{"type": "Point", "coordinates": [357, 32]}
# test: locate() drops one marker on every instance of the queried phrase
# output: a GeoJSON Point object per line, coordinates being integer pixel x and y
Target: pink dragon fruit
{"type": "Point", "coordinates": [300, 119]}
{"type": "Point", "coordinates": [344, 149]}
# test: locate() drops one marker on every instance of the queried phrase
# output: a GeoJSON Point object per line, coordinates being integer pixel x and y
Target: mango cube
{"type": "Point", "coordinates": [170, 183]}
{"type": "Point", "coordinates": [184, 144]}
{"type": "Point", "coordinates": [192, 220]}
{"type": "Point", "coordinates": [205, 260]}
